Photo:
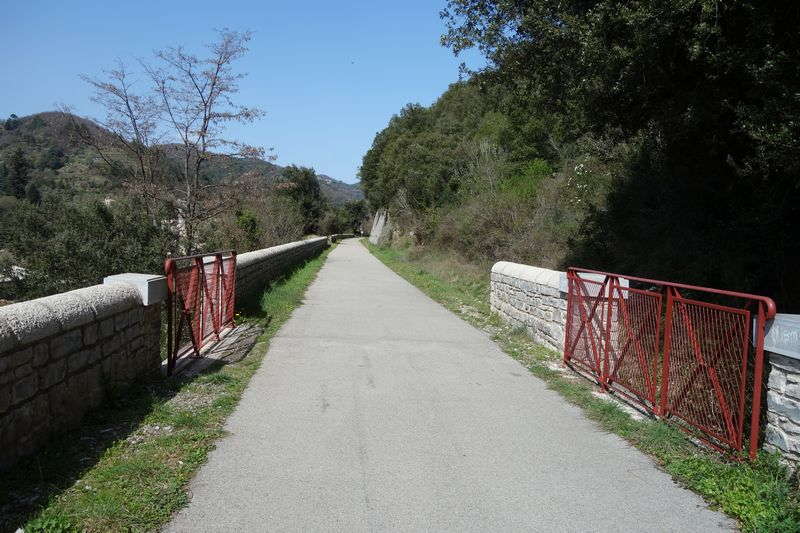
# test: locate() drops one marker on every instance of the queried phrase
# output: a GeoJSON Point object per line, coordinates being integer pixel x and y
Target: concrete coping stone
{"type": "Point", "coordinates": [782, 335]}
{"type": "Point", "coordinates": [555, 279]}
{"type": "Point", "coordinates": [540, 276]}
{"type": "Point", "coordinates": [27, 322]}
{"type": "Point", "coordinates": [8, 341]}
{"type": "Point", "coordinates": [108, 300]}
{"type": "Point", "coordinates": [152, 288]}
{"type": "Point", "coordinates": [248, 258]}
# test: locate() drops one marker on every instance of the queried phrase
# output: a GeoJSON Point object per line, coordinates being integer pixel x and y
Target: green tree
{"type": "Point", "coordinates": [12, 122]}
{"type": "Point", "coordinates": [246, 221]}
{"type": "Point", "coordinates": [302, 186]}
{"type": "Point", "coordinates": [52, 158]}
{"type": "Point", "coordinates": [63, 245]}
{"type": "Point", "coordinates": [32, 193]}
{"type": "Point", "coordinates": [4, 187]}
{"type": "Point", "coordinates": [17, 173]}
{"type": "Point", "coordinates": [701, 94]}
{"type": "Point", "coordinates": [354, 214]}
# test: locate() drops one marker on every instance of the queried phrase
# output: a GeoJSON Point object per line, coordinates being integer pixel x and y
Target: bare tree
{"type": "Point", "coordinates": [128, 141]}
{"type": "Point", "coordinates": [182, 115]}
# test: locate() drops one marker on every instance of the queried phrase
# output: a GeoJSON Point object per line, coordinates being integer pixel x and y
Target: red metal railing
{"type": "Point", "coordinates": [675, 350]}
{"type": "Point", "coordinates": [200, 298]}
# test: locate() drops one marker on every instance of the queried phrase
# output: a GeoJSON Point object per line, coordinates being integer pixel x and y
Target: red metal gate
{"type": "Point", "coordinates": [676, 350]}
{"type": "Point", "coordinates": [200, 301]}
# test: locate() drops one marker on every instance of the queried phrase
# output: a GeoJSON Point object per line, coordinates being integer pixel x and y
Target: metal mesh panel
{"type": "Point", "coordinates": [708, 354]}
{"type": "Point", "coordinates": [200, 304]}
{"type": "Point", "coordinates": [210, 304]}
{"type": "Point", "coordinates": [633, 359]}
{"type": "Point", "coordinates": [228, 287]}
{"type": "Point", "coordinates": [705, 368]}
{"type": "Point", "coordinates": [585, 316]}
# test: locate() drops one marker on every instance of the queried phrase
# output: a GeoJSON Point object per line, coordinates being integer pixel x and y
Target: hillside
{"type": "Point", "coordinates": [60, 161]}
{"type": "Point", "coordinates": [338, 192]}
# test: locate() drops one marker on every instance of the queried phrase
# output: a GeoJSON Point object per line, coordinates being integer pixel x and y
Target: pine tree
{"type": "Point", "coordinates": [33, 194]}
{"type": "Point", "coordinates": [3, 179]}
{"type": "Point", "coordinates": [17, 174]}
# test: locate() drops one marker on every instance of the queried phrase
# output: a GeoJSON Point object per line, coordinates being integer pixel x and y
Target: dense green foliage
{"type": "Point", "coordinates": [652, 138]}
{"type": "Point", "coordinates": [302, 186]}
{"type": "Point", "coordinates": [16, 174]}
{"type": "Point", "coordinates": [344, 219]}
{"type": "Point", "coordinates": [64, 245]}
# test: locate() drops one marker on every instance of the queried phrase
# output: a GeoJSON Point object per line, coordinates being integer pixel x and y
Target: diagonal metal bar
{"type": "Point", "coordinates": [638, 348]}
{"type": "Point", "coordinates": [710, 372]}
{"type": "Point", "coordinates": [586, 321]}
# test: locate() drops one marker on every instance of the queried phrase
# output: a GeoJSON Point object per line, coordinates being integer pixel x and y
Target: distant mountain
{"type": "Point", "coordinates": [62, 162]}
{"type": "Point", "coordinates": [338, 192]}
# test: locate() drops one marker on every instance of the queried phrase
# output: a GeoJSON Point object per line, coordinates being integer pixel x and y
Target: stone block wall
{"type": "Point", "coordinates": [336, 237]}
{"type": "Point", "coordinates": [61, 354]}
{"type": "Point", "coordinates": [535, 299]}
{"type": "Point", "coordinates": [782, 428]}
{"type": "Point", "coordinates": [254, 270]}
{"type": "Point", "coordinates": [532, 298]}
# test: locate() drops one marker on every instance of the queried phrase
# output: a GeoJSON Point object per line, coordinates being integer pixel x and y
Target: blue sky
{"type": "Point", "coordinates": [328, 74]}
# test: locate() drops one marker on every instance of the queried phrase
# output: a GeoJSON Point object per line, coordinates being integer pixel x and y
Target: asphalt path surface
{"type": "Point", "coordinates": [376, 409]}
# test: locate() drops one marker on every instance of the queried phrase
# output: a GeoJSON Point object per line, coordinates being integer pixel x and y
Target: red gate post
{"type": "Point", "coordinates": [662, 409]}
{"type": "Point", "coordinates": [169, 270]}
{"type": "Point", "coordinates": [568, 325]}
{"type": "Point", "coordinates": [604, 371]}
{"type": "Point", "coordinates": [758, 376]}
{"type": "Point", "coordinates": [218, 287]}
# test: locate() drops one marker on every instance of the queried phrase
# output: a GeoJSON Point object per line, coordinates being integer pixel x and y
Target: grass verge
{"type": "Point", "coordinates": [126, 467]}
{"type": "Point", "coordinates": [760, 495]}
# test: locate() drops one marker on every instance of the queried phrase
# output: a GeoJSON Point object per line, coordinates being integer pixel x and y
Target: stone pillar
{"type": "Point", "coordinates": [782, 357]}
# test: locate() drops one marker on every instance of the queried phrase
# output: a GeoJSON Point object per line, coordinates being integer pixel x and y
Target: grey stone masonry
{"type": "Point", "coordinates": [782, 432]}
{"type": "Point", "coordinates": [254, 270]}
{"type": "Point", "coordinates": [782, 355]}
{"type": "Point", "coordinates": [336, 237]}
{"type": "Point", "coordinates": [531, 298]}
{"type": "Point", "coordinates": [61, 354]}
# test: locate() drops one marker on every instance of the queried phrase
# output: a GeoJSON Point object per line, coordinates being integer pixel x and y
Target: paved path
{"type": "Point", "coordinates": [377, 409]}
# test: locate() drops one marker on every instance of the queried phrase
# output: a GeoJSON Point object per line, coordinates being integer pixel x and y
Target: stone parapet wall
{"type": "Point", "coordinates": [61, 354]}
{"type": "Point", "coordinates": [254, 270]}
{"type": "Point", "coordinates": [782, 431]}
{"type": "Point", "coordinates": [535, 299]}
{"type": "Point", "coordinates": [336, 237]}
{"type": "Point", "coordinates": [531, 298]}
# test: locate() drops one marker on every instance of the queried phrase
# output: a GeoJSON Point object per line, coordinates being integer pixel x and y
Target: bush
{"type": "Point", "coordinates": [63, 245]}
{"type": "Point", "coordinates": [259, 222]}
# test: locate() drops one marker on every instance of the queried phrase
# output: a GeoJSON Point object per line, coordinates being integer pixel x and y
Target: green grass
{"type": "Point", "coordinates": [127, 467]}
{"type": "Point", "coordinates": [760, 495]}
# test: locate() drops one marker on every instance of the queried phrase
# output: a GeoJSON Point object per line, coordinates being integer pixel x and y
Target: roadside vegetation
{"type": "Point", "coordinates": [127, 466]}
{"type": "Point", "coordinates": [658, 139]}
{"type": "Point", "coordinates": [760, 495]}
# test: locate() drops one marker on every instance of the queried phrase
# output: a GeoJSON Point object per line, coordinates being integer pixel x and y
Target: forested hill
{"type": "Point", "coordinates": [661, 140]}
{"type": "Point", "coordinates": [61, 161]}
